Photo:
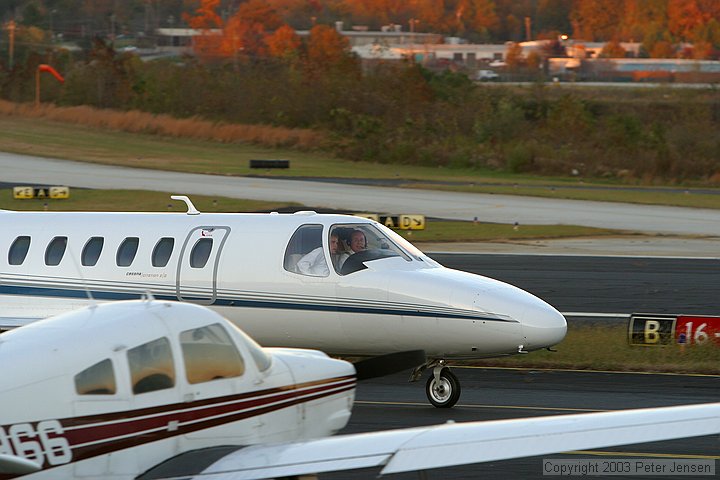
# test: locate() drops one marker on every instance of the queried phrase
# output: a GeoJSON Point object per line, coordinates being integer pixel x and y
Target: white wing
{"type": "Point", "coordinates": [459, 444]}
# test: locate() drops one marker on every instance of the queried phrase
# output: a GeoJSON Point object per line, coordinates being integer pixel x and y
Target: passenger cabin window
{"type": "Point", "coordinates": [305, 254]}
{"type": "Point", "coordinates": [210, 354]}
{"type": "Point", "coordinates": [55, 251]}
{"type": "Point", "coordinates": [127, 251]}
{"type": "Point", "coordinates": [201, 252]}
{"type": "Point", "coordinates": [361, 243]}
{"type": "Point", "coordinates": [96, 380]}
{"type": "Point", "coordinates": [91, 251]}
{"type": "Point", "coordinates": [151, 366]}
{"type": "Point", "coordinates": [19, 250]}
{"type": "Point", "coordinates": [162, 251]}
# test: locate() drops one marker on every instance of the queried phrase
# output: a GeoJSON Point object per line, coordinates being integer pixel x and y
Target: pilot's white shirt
{"type": "Point", "coordinates": [314, 263]}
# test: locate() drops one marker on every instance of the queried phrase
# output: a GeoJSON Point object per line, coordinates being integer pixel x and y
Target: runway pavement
{"type": "Point", "coordinates": [449, 205]}
{"type": "Point", "coordinates": [604, 284]}
{"type": "Point", "coordinates": [496, 393]}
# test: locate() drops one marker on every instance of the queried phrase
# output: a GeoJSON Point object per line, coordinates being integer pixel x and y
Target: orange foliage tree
{"type": "Point", "coordinates": [209, 43]}
{"type": "Point", "coordinates": [284, 43]}
{"type": "Point", "coordinates": [326, 47]}
{"type": "Point", "coordinates": [246, 31]}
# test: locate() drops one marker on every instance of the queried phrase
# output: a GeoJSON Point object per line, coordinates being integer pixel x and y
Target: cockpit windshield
{"type": "Point", "coordinates": [359, 243]}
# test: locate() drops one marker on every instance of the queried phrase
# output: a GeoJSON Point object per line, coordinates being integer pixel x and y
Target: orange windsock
{"type": "Point", "coordinates": [47, 68]}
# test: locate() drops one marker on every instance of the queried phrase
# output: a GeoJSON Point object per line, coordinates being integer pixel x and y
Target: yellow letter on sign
{"type": "Point", "coordinates": [412, 222]}
{"type": "Point", "coordinates": [652, 329]}
{"type": "Point", "coordinates": [59, 192]}
{"type": "Point", "coordinates": [22, 193]}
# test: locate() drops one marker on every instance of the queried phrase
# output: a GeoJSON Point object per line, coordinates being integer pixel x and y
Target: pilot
{"type": "Point", "coordinates": [314, 264]}
{"type": "Point", "coordinates": [357, 243]}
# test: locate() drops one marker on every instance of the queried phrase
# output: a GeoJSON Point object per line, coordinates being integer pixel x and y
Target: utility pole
{"type": "Point", "coordinates": [11, 52]}
{"type": "Point", "coordinates": [528, 34]}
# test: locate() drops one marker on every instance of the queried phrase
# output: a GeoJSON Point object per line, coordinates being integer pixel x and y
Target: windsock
{"type": "Point", "coordinates": [47, 68]}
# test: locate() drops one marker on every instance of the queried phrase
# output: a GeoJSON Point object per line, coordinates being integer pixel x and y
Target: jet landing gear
{"type": "Point", "coordinates": [443, 387]}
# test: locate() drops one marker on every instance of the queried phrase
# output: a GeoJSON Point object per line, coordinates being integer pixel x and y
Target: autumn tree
{"type": "Point", "coordinates": [248, 28]}
{"type": "Point", "coordinates": [205, 19]}
{"type": "Point", "coordinates": [514, 56]}
{"type": "Point", "coordinates": [284, 43]}
{"type": "Point", "coordinates": [596, 20]}
{"type": "Point", "coordinates": [326, 47]}
{"type": "Point", "coordinates": [613, 49]}
{"type": "Point", "coordinates": [684, 16]}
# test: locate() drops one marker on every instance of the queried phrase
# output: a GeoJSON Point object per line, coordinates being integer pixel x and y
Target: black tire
{"type": "Point", "coordinates": [446, 392]}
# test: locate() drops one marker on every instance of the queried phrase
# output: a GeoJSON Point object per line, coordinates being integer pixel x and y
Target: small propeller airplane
{"type": "Point", "coordinates": [345, 285]}
{"type": "Point", "coordinates": [149, 389]}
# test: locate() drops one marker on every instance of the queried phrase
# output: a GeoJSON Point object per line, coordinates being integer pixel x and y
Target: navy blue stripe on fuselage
{"type": "Point", "coordinates": [227, 302]}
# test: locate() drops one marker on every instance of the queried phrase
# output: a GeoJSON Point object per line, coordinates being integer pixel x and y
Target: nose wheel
{"type": "Point", "coordinates": [442, 388]}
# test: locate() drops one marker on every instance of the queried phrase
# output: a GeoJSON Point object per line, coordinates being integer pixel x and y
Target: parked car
{"type": "Point", "coordinates": [486, 75]}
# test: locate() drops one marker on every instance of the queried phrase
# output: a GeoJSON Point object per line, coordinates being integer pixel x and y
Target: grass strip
{"type": "Point", "coordinates": [606, 348]}
{"type": "Point", "coordinates": [131, 201]}
{"type": "Point", "coordinates": [98, 143]}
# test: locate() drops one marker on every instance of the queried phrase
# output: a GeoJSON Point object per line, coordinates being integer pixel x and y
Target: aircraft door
{"type": "Point", "coordinates": [198, 264]}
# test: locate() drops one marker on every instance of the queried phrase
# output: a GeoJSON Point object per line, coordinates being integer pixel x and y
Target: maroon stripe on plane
{"type": "Point", "coordinates": [192, 411]}
{"type": "Point", "coordinates": [83, 453]}
{"type": "Point", "coordinates": [124, 415]}
{"type": "Point", "coordinates": [151, 424]}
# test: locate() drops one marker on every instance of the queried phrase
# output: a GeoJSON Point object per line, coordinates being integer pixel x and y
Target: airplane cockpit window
{"type": "Point", "coordinates": [201, 252]}
{"type": "Point", "coordinates": [96, 380]}
{"type": "Point", "coordinates": [19, 250]}
{"type": "Point", "coordinates": [360, 243]}
{"type": "Point", "coordinates": [262, 359]}
{"type": "Point", "coordinates": [127, 251]}
{"type": "Point", "coordinates": [91, 251]}
{"type": "Point", "coordinates": [55, 251]}
{"type": "Point", "coordinates": [210, 354]}
{"type": "Point", "coordinates": [151, 366]}
{"type": "Point", "coordinates": [305, 254]}
{"type": "Point", "coordinates": [162, 251]}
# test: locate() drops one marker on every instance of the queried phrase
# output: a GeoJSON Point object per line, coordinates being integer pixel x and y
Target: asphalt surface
{"type": "Point", "coordinates": [450, 205]}
{"type": "Point", "coordinates": [495, 394]}
{"type": "Point", "coordinates": [604, 284]}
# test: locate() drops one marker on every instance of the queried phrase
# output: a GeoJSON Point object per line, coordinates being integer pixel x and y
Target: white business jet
{"type": "Point", "coordinates": [152, 389]}
{"type": "Point", "coordinates": [341, 284]}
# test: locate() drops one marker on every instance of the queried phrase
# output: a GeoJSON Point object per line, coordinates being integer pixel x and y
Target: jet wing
{"type": "Point", "coordinates": [464, 443]}
{"type": "Point", "coordinates": [6, 323]}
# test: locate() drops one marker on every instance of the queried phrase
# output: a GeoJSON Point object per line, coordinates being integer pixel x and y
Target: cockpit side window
{"type": "Point", "coordinates": [210, 354]}
{"type": "Point", "coordinates": [360, 243]}
{"type": "Point", "coordinates": [151, 366]}
{"type": "Point", "coordinates": [305, 254]}
{"type": "Point", "coordinates": [98, 379]}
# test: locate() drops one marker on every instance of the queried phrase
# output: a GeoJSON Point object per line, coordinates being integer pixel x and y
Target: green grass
{"type": "Point", "coordinates": [131, 201]}
{"type": "Point", "coordinates": [606, 348]}
{"type": "Point", "coordinates": [146, 201]}
{"type": "Point", "coordinates": [448, 231]}
{"type": "Point", "coordinates": [93, 144]}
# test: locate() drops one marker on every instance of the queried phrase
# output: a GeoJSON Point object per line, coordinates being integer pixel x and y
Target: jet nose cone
{"type": "Point", "coordinates": [543, 327]}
